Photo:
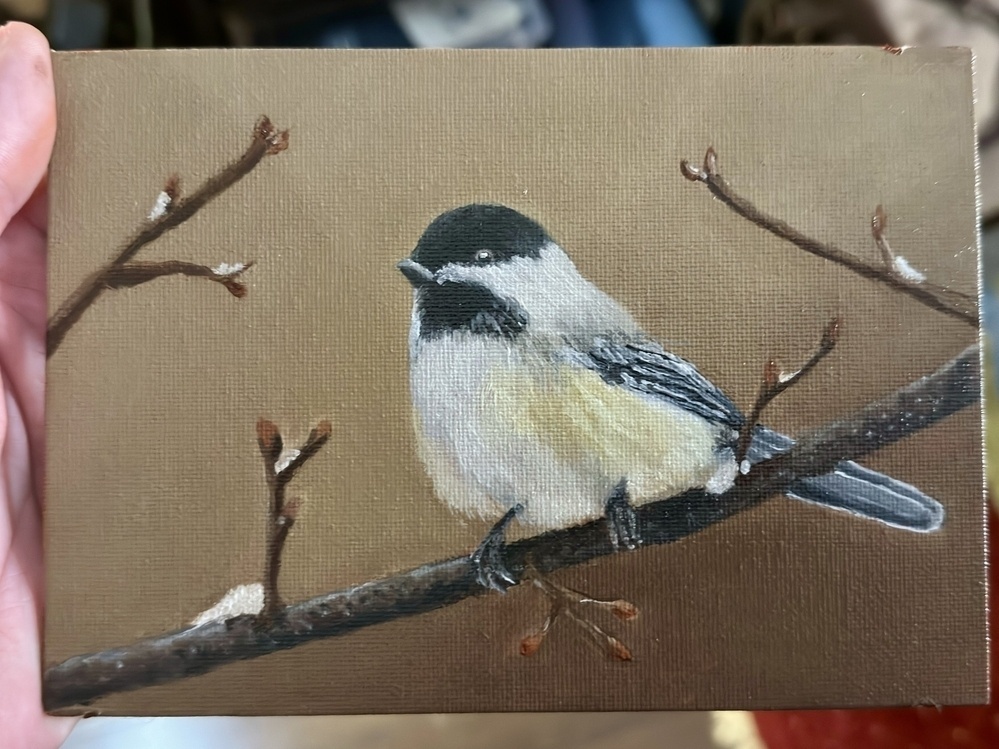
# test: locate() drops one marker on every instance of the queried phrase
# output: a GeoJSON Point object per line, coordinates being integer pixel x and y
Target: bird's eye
{"type": "Point", "coordinates": [483, 256]}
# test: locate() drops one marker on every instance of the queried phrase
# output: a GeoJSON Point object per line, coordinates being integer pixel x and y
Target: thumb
{"type": "Point", "coordinates": [27, 115]}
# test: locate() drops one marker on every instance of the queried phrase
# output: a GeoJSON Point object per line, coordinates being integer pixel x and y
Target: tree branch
{"type": "Point", "coordinates": [197, 650]}
{"type": "Point", "coordinates": [169, 213]}
{"type": "Point", "coordinates": [282, 514]}
{"type": "Point", "coordinates": [568, 604]}
{"type": "Point", "coordinates": [950, 302]}
{"type": "Point", "coordinates": [136, 273]}
{"type": "Point", "coordinates": [775, 382]}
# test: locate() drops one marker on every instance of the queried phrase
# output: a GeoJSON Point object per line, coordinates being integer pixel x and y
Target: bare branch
{"type": "Point", "coordinates": [950, 302]}
{"type": "Point", "coordinates": [775, 382]}
{"type": "Point", "coordinates": [282, 514]}
{"type": "Point", "coordinates": [137, 272]}
{"type": "Point", "coordinates": [175, 211]}
{"type": "Point", "coordinates": [313, 443]}
{"type": "Point", "coordinates": [270, 442]}
{"type": "Point", "coordinates": [879, 225]}
{"type": "Point", "coordinates": [196, 650]}
{"type": "Point", "coordinates": [896, 265]}
{"type": "Point", "coordinates": [569, 604]}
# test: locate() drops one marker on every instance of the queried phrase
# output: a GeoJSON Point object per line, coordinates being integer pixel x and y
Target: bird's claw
{"type": "Point", "coordinates": [622, 521]}
{"type": "Point", "coordinates": [490, 568]}
{"type": "Point", "coordinates": [487, 561]}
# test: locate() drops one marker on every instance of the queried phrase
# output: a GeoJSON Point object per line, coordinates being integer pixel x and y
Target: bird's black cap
{"type": "Point", "coordinates": [458, 235]}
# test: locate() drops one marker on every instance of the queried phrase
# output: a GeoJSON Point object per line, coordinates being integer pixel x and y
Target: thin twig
{"type": "Point", "coordinates": [604, 640]}
{"type": "Point", "coordinates": [313, 443]}
{"type": "Point", "coordinates": [282, 514]}
{"type": "Point", "coordinates": [623, 610]}
{"type": "Point", "coordinates": [879, 226]}
{"type": "Point", "coordinates": [568, 602]}
{"type": "Point", "coordinates": [774, 382]}
{"type": "Point", "coordinates": [197, 650]}
{"type": "Point", "coordinates": [138, 272]}
{"type": "Point", "coordinates": [953, 303]}
{"type": "Point", "coordinates": [175, 211]}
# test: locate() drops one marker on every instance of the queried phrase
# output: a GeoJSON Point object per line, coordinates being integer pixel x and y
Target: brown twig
{"type": "Point", "coordinates": [282, 513]}
{"type": "Point", "coordinates": [879, 226]}
{"type": "Point", "coordinates": [950, 302]}
{"type": "Point", "coordinates": [170, 212]}
{"type": "Point", "coordinates": [774, 382]}
{"type": "Point", "coordinates": [137, 272]}
{"type": "Point", "coordinates": [569, 603]}
{"type": "Point", "coordinates": [197, 650]}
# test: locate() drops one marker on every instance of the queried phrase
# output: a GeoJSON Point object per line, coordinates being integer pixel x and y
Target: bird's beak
{"type": "Point", "coordinates": [415, 273]}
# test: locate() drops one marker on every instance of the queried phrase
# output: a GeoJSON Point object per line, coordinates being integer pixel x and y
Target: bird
{"type": "Point", "coordinates": [537, 397]}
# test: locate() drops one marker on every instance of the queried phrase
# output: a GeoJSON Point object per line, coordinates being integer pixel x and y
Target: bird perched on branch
{"type": "Point", "coordinates": [538, 397]}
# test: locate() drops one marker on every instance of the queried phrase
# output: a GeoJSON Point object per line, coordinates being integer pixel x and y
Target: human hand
{"type": "Point", "coordinates": [27, 129]}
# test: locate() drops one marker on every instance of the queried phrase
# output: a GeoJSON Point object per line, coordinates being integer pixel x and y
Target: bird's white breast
{"type": "Point", "coordinates": [501, 425]}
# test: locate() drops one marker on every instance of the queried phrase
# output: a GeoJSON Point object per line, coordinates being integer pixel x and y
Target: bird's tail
{"type": "Point", "coordinates": [855, 489]}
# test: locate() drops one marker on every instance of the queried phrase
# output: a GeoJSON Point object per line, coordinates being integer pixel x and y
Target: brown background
{"type": "Point", "coordinates": [156, 497]}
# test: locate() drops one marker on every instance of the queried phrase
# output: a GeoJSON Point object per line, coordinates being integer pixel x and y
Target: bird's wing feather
{"type": "Point", "coordinates": [648, 369]}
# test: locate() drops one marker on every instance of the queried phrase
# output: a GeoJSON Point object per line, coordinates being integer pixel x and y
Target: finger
{"type": "Point", "coordinates": [36, 210]}
{"type": "Point", "coordinates": [27, 115]}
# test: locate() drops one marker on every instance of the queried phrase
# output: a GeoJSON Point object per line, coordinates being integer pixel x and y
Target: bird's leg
{"type": "Point", "coordinates": [567, 603]}
{"type": "Point", "coordinates": [622, 520]}
{"type": "Point", "coordinates": [487, 560]}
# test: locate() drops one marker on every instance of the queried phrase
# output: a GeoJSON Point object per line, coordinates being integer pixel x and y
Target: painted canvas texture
{"type": "Point", "coordinates": [448, 381]}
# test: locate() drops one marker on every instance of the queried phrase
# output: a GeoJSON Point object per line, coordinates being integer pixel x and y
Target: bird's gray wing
{"type": "Point", "coordinates": [648, 369]}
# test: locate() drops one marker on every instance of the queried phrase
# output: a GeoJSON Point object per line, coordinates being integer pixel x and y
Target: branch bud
{"type": "Point", "coordinates": [276, 140]}
{"type": "Point", "coordinates": [711, 162]}
{"type": "Point", "coordinates": [172, 188]}
{"type": "Point", "coordinates": [879, 221]}
{"type": "Point", "coordinates": [269, 440]}
{"type": "Point", "coordinates": [318, 436]}
{"type": "Point", "coordinates": [771, 374]}
{"type": "Point", "coordinates": [830, 336]}
{"type": "Point", "coordinates": [234, 287]}
{"type": "Point", "coordinates": [624, 610]}
{"type": "Point", "coordinates": [531, 644]}
{"type": "Point", "coordinates": [689, 172]}
{"type": "Point", "coordinates": [618, 650]}
{"type": "Point", "coordinates": [291, 509]}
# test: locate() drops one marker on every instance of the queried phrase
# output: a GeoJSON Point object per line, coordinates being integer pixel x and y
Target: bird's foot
{"type": "Point", "coordinates": [571, 605]}
{"type": "Point", "coordinates": [487, 560]}
{"type": "Point", "coordinates": [622, 519]}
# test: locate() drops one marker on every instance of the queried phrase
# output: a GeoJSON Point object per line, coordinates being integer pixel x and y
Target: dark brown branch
{"type": "Point", "coordinates": [950, 302]}
{"type": "Point", "coordinates": [282, 514]}
{"type": "Point", "coordinates": [137, 272]}
{"type": "Point", "coordinates": [197, 650]}
{"type": "Point", "coordinates": [775, 382]}
{"type": "Point", "coordinates": [174, 211]}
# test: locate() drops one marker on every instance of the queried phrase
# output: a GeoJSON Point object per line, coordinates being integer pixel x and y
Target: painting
{"type": "Point", "coordinates": [453, 381]}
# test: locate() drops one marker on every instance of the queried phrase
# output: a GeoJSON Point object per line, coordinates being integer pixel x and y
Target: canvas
{"type": "Point", "coordinates": [442, 381]}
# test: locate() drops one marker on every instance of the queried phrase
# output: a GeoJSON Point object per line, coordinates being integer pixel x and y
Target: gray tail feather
{"type": "Point", "coordinates": [855, 489]}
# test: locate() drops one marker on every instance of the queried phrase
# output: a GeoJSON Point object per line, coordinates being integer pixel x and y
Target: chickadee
{"type": "Point", "coordinates": [537, 396]}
